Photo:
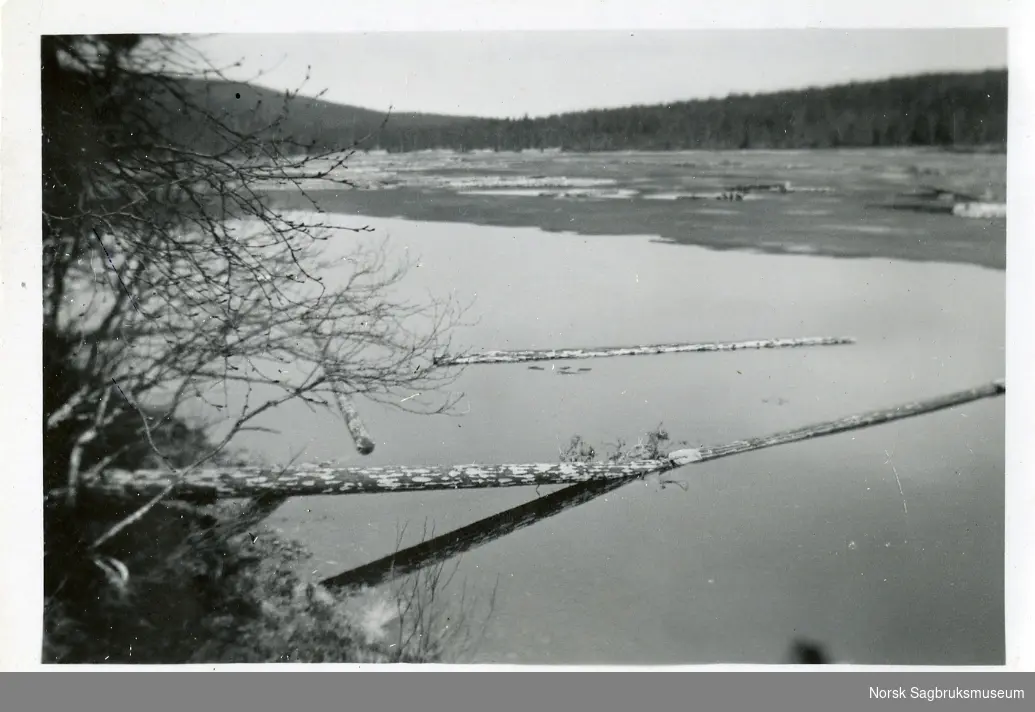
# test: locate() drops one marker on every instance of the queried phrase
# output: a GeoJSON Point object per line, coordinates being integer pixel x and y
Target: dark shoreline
{"type": "Point", "coordinates": [958, 240]}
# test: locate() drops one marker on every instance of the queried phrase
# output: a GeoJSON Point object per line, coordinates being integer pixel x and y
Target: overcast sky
{"type": "Point", "coordinates": [538, 73]}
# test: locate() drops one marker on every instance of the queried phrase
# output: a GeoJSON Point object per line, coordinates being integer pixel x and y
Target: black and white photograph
{"type": "Point", "coordinates": [573, 347]}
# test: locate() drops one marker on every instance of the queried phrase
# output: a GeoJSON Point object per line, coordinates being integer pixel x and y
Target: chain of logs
{"type": "Point", "coordinates": [456, 542]}
{"type": "Point", "coordinates": [586, 480]}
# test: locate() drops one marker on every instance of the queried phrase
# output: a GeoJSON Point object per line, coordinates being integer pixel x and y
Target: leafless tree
{"type": "Point", "coordinates": [173, 281]}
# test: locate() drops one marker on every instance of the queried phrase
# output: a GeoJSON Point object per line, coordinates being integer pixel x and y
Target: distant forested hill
{"type": "Point", "coordinates": [251, 109]}
{"type": "Point", "coordinates": [927, 110]}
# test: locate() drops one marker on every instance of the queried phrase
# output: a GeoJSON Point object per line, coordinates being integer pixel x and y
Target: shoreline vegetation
{"type": "Point", "coordinates": [152, 302]}
{"type": "Point", "coordinates": [213, 585]}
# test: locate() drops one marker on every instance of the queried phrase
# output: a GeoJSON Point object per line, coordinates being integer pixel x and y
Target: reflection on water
{"type": "Point", "coordinates": [810, 539]}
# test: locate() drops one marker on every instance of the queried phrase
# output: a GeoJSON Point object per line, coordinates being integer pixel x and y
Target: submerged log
{"type": "Point", "coordinates": [446, 546]}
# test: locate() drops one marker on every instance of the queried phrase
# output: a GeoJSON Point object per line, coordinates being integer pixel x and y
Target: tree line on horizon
{"type": "Point", "coordinates": [932, 110]}
{"type": "Point", "coordinates": [951, 109]}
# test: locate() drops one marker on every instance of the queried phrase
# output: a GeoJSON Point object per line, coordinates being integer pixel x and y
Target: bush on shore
{"type": "Point", "coordinates": [200, 590]}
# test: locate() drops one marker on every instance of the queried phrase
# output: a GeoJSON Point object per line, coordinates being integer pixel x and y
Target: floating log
{"type": "Point", "coordinates": [778, 187]}
{"type": "Point", "coordinates": [231, 482]}
{"type": "Point", "coordinates": [653, 349]}
{"type": "Point", "coordinates": [852, 422]}
{"type": "Point", "coordinates": [979, 210]}
{"type": "Point", "coordinates": [446, 546]}
{"type": "Point", "coordinates": [358, 431]}
{"type": "Point", "coordinates": [724, 195]}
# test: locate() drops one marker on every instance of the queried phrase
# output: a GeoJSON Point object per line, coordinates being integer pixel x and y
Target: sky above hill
{"type": "Point", "coordinates": [540, 73]}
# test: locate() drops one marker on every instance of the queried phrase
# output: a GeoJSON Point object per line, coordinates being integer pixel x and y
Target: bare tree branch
{"type": "Point", "coordinates": [201, 292]}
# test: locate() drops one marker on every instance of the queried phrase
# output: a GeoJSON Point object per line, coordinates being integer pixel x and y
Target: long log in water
{"type": "Point", "coordinates": [458, 541]}
{"type": "Point", "coordinates": [648, 350]}
{"type": "Point", "coordinates": [303, 480]}
{"type": "Point", "coordinates": [231, 482]}
{"type": "Point", "coordinates": [852, 422]}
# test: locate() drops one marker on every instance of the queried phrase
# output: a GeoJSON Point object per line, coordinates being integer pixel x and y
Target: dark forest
{"type": "Point", "coordinates": [962, 110]}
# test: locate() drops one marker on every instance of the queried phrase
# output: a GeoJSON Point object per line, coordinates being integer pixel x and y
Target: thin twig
{"type": "Point", "coordinates": [141, 511]}
{"type": "Point", "coordinates": [178, 476]}
{"type": "Point", "coordinates": [81, 442]}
